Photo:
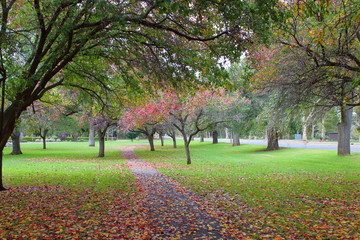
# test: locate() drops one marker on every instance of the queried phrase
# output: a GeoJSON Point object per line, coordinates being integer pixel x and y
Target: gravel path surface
{"type": "Point", "coordinates": [172, 211]}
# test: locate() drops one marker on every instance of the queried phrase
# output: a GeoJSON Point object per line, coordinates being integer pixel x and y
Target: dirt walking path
{"type": "Point", "coordinates": [172, 211]}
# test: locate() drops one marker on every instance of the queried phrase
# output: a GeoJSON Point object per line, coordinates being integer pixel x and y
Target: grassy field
{"type": "Point", "coordinates": [70, 164]}
{"type": "Point", "coordinates": [291, 193]}
{"type": "Point", "coordinates": [66, 192]}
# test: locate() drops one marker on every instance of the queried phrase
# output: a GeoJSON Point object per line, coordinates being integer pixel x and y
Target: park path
{"type": "Point", "coordinates": [172, 211]}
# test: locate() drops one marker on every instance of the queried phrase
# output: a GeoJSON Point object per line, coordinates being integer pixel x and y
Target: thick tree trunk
{"type": "Point", "coordinates": [273, 139]}
{"type": "Point", "coordinates": [215, 135]}
{"type": "Point", "coordinates": [151, 142]}
{"type": "Point", "coordinates": [15, 137]}
{"type": "Point", "coordinates": [236, 139]}
{"type": "Point", "coordinates": [201, 138]}
{"type": "Point", "coordinates": [101, 142]}
{"type": "Point", "coordinates": [7, 125]}
{"type": "Point", "coordinates": [91, 137]}
{"type": "Point", "coordinates": [344, 128]}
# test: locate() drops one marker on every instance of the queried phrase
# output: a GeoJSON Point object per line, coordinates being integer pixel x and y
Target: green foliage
{"type": "Point", "coordinates": [31, 139]}
{"type": "Point", "coordinates": [132, 135]}
{"type": "Point", "coordinates": [331, 121]}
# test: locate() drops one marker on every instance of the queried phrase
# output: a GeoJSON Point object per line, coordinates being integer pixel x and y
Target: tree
{"type": "Point", "coordinates": [196, 112]}
{"type": "Point", "coordinates": [43, 44]}
{"type": "Point", "coordinates": [72, 125]}
{"type": "Point", "coordinates": [170, 131]}
{"type": "Point", "coordinates": [323, 36]}
{"type": "Point", "coordinates": [40, 119]}
{"type": "Point", "coordinates": [132, 135]}
{"type": "Point", "coordinates": [244, 113]}
{"type": "Point", "coordinates": [143, 119]}
{"type": "Point", "coordinates": [283, 67]}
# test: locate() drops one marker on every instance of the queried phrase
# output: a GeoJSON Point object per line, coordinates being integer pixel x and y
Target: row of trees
{"type": "Point", "coordinates": [96, 46]}
{"type": "Point", "coordinates": [310, 62]}
{"type": "Point", "coordinates": [312, 65]}
{"type": "Point", "coordinates": [187, 113]}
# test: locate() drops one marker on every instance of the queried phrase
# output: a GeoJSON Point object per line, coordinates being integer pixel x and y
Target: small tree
{"type": "Point", "coordinates": [132, 135]}
{"type": "Point", "coordinates": [41, 117]}
{"type": "Point", "coordinates": [197, 112]}
{"type": "Point", "coordinates": [144, 119]}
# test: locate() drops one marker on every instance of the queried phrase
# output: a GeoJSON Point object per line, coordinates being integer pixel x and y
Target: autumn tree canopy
{"type": "Point", "coordinates": [314, 59]}
{"type": "Point", "coordinates": [45, 44]}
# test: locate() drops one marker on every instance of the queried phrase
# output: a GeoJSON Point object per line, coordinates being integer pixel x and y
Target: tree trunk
{"type": "Point", "coordinates": [174, 141]}
{"type": "Point", "coordinates": [227, 135]}
{"type": "Point", "coordinates": [151, 142]}
{"type": "Point", "coordinates": [201, 138]}
{"type": "Point", "coordinates": [304, 132]}
{"type": "Point", "coordinates": [344, 128]}
{"type": "Point", "coordinates": [7, 121]}
{"type": "Point", "coordinates": [2, 188]}
{"type": "Point", "coordinates": [161, 139]}
{"type": "Point", "coordinates": [15, 137]}
{"type": "Point", "coordinates": [187, 149]}
{"type": "Point", "coordinates": [91, 137]}
{"type": "Point", "coordinates": [236, 139]}
{"type": "Point", "coordinates": [323, 128]}
{"type": "Point", "coordinates": [273, 139]}
{"type": "Point", "coordinates": [313, 131]}
{"type": "Point", "coordinates": [101, 143]}
{"type": "Point", "coordinates": [43, 136]}
{"type": "Point", "coordinates": [215, 135]}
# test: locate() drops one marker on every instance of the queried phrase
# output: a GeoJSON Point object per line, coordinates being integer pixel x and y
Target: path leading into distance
{"type": "Point", "coordinates": [171, 210]}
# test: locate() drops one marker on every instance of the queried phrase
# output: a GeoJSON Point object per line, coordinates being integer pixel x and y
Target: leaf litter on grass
{"type": "Point", "coordinates": [55, 212]}
{"type": "Point", "coordinates": [274, 203]}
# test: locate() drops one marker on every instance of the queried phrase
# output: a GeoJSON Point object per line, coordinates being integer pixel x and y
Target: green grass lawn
{"type": "Point", "coordinates": [70, 164]}
{"type": "Point", "coordinates": [66, 192]}
{"type": "Point", "coordinates": [297, 193]}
